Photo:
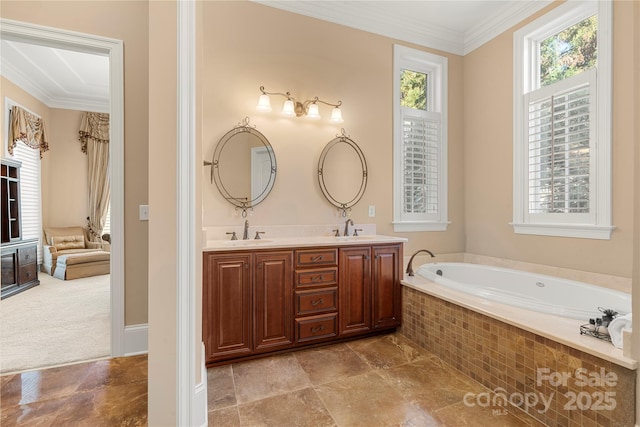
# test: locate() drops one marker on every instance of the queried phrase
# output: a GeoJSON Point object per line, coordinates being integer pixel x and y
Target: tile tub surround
{"type": "Point", "coordinates": [502, 356]}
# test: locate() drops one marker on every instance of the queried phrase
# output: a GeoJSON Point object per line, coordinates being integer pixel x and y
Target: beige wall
{"type": "Point", "coordinates": [127, 21]}
{"type": "Point", "coordinates": [488, 162]}
{"type": "Point", "coordinates": [308, 57]}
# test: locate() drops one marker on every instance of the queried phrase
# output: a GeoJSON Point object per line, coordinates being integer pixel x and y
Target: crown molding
{"type": "Point", "coordinates": [352, 14]}
{"type": "Point", "coordinates": [508, 16]}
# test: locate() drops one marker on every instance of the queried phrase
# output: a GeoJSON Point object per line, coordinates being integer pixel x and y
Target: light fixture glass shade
{"type": "Point", "coordinates": [336, 116]}
{"type": "Point", "coordinates": [264, 104]}
{"type": "Point", "coordinates": [313, 112]}
{"type": "Point", "coordinates": [288, 108]}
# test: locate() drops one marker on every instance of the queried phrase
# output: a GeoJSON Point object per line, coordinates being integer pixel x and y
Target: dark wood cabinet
{"type": "Point", "coordinates": [355, 290]}
{"type": "Point", "coordinates": [247, 303]}
{"type": "Point", "coordinates": [19, 258]}
{"type": "Point", "coordinates": [273, 300]}
{"type": "Point", "coordinates": [262, 301]}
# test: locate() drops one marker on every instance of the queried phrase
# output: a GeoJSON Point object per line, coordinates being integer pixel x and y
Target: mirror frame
{"type": "Point", "coordinates": [342, 206]}
{"type": "Point", "coordinates": [242, 204]}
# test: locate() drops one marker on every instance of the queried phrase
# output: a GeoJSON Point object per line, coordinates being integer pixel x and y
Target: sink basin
{"type": "Point", "coordinates": [246, 242]}
{"type": "Point", "coordinates": [354, 238]}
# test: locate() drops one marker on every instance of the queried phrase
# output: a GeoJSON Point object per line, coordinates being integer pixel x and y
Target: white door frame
{"type": "Point", "coordinates": [64, 39]}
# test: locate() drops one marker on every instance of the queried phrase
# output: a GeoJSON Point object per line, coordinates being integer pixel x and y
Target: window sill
{"type": "Point", "coordinates": [580, 231]}
{"type": "Point", "coordinates": [406, 226]}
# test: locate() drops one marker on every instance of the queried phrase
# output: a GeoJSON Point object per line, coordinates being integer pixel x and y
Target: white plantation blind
{"type": "Point", "coordinates": [30, 202]}
{"type": "Point", "coordinates": [107, 222]}
{"type": "Point", "coordinates": [421, 137]}
{"type": "Point", "coordinates": [561, 137]}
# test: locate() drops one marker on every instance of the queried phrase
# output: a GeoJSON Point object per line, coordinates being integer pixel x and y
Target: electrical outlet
{"type": "Point", "coordinates": [144, 212]}
{"type": "Point", "coordinates": [372, 211]}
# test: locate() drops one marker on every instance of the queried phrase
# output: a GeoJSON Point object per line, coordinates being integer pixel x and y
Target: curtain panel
{"type": "Point", "coordinates": [28, 128]}
{"type": "Point", "coordinates": [94, 140]}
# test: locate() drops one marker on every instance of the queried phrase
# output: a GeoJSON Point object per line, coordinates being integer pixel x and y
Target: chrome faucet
{"type": "Point", "coordinates": [410, 265]}
{"type": "Point", "coordinates": [346, 226]}
{"type": "Point", "coordinates": [245, 236]}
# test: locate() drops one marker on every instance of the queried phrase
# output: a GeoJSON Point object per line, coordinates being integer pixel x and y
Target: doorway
{"type": "Point", "coordinates": [113, 50]}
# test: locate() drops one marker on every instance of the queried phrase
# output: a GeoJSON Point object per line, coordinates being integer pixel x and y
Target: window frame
{"type": "Point", "coordinates": [526, 79]}
{"type": "Point", "coordinates": [436, 68]}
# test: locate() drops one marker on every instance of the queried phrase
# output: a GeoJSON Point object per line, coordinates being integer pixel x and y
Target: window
{"type": "Point", "coordinates": [420, 141]}
{"type": "Point", "coordinates": [562, 115]}
{"type": "Point", "coordinates": [30, 204]}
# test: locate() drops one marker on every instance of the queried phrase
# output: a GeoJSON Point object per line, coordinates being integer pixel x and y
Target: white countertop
{"type": "Point", "coordinates": [560, 329]}
{"type": "Point", "coordinates": [295, 242]}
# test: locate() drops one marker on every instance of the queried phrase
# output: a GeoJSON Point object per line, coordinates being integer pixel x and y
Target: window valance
{"type": "Point", "coordinates": [28, 128]}
{"type": "Point", "coordinates": [93, 126]}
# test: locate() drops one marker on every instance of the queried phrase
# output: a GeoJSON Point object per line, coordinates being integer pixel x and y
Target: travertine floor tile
{"type": "Point", "coordinates": [114, 372]}
{"type": "Point", "coordinates": [225, 417]}
{"type": "Point", "coordinates": [369, 400]}
{"type": "Point", "coordinates": [297, 408]}
{"type": "Point", "coordinates": [261, 378]}
{"type": "Point", "coordinates": [326, 364]}
{"type": "Point", "coordinates": [461, 415]}
{"type": "Point", "coordinates": [221, 391]}
{"type": "Point", "coordinates": [387, 351]}
{"type": "Point", "coordinates": [429, 383]}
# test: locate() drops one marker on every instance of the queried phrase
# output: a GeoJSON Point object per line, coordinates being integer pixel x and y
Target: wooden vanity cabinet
{"type": "Point", "coordinates": [370, 292]}
{"type": "Point", "coordinates": [264, 301]}
{"type": "Point", "coordinates": [247, 303]}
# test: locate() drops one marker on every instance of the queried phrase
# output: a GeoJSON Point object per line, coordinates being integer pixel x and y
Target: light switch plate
{"type": "Point", "coordinates": [372, 211]}
{"type": "Point", "coordinates": [144, 212]}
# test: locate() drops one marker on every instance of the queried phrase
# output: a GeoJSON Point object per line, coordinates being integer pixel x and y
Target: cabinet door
{"type": "Point", "coordinates": [354, 290]}
{"type": "Point", "coordinates": [273, 287]}
{"type": "Point", "coordinates": [387, 306]}
{"type": "Point", "coordinates": [227, 305]}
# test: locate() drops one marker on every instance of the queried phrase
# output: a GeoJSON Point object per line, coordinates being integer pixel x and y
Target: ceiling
{"type": "Point", "coordinates": [80, 81]}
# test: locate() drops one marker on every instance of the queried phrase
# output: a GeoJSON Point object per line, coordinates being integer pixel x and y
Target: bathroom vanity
{"type": "Point", "coordinates": [263, 296]}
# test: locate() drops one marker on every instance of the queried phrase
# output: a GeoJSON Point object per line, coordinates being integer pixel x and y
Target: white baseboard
{"type": "Point", "coordinates": [200, 409]}
{"type": "Point", "coordinates": [135, 339]}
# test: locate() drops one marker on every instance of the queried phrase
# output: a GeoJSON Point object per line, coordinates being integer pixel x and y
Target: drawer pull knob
{"type": "Point", "coordinates": [316, 258]}
{"type": "Point", "coordinates": [316, 329]}
{"type": "Point", "coordinates": [316, 279]}
{"type": "Point", "coordinates": [317, 302]}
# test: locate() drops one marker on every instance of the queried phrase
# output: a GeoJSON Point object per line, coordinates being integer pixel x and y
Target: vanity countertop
{"type": "Point", "coordinates": [295, 242]}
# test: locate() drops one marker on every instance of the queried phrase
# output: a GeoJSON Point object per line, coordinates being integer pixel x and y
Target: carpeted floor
{"type": "Point", "coordinates": [57, 322]}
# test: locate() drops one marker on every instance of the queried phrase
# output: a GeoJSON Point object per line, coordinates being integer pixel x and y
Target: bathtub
{"type": "Point", "coordinates": [537, 292]}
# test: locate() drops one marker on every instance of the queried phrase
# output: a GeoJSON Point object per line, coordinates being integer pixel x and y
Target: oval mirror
{"type": "Point", "coordinates": [342, 173]}
{"type": "Point", "coordinates": [244, 166]}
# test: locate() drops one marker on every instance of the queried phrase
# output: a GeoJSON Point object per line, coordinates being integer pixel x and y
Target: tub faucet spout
{"type": "Point", "coordinates": [410, 264]}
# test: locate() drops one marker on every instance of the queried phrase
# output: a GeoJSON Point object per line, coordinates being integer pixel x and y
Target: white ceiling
{"type": "Point", "coordinates": [58, 78]}
{"type": "Point", "coordinates": [73, 80]}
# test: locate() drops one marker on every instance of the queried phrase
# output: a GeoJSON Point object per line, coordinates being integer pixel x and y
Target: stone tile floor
{"type": "Point", "coordinates": [378, 381]}
{"type": "Point", "coordinates": [109, 392]}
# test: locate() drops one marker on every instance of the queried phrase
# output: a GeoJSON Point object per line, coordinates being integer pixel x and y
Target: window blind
{"type": "Point", "coordinates": [107, 222]}
{"type": "Point", "coordinates": [421, 136]}
{"type": "Point", "coordinates": [30, 201]}
{"type": "Point", "coordinates": [559, 149]}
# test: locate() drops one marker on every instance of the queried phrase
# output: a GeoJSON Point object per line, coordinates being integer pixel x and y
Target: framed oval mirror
{"type": "Point", "coordinates": [244, 166]}
{"type": "Point", "coordinates": [342, 173]}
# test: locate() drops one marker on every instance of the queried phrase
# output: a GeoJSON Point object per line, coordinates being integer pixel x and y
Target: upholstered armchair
{"type": "Point", "coordinates": [67, 241]}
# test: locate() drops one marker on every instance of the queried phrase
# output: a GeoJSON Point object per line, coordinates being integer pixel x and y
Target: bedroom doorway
{"type": "Point", "coordinates": [112, 50]}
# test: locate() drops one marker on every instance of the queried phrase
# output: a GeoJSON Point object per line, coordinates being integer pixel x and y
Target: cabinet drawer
{"type": "Point", "coordinates": [316, 328]}
{"type": "Point", "coordinates": [27, 255]}
{"type": "Point", "coordinates": [28, 273]}
{"type": "Point", "coordinates": [316, 257]}
{"type": "Point", "coordinates": [314, 302]}
{"type": "Point", "coordinates": [325, 277]}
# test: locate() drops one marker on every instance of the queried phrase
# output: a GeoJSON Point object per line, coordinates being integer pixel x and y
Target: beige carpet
{"type": "Point", "coordinates": [57, 322]}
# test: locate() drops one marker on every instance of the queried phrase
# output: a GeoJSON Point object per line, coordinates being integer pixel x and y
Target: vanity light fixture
{"type": "Point", "coordinates": [291, 107]}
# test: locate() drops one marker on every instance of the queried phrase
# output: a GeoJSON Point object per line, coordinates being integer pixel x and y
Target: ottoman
{"type": "Point", "coordinates": [74, 266]}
